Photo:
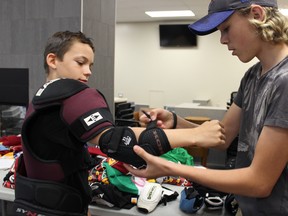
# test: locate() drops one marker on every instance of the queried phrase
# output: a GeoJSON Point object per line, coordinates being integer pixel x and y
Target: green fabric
{"type": "Point", "coordinates": [121, 181]}
{"type": "Point", "coordinates": [179, 155]}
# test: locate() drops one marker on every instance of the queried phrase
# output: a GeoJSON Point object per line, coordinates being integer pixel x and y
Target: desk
{"type": "Point", "coordinates": [216, 157]}
{"type": "Point", "coordinates": [193, 109]}
{"type": "Point", "coordinates": [197, 119]}
{"type": "Point", "coordinates": [120, 100]}
{"type": "Point", "coordinates": [172, 208]}
{"type": "Point", "coordinates": [160, 210]}
{"type": "Point", "coordinates": [187, 105]}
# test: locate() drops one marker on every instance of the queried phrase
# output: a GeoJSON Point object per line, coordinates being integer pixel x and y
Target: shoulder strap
{"type": "Point", "coordinates": [56, 90]}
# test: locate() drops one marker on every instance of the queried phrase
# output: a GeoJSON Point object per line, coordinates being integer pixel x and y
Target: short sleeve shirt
{"type": "Point", "coordinates": [264, 101]}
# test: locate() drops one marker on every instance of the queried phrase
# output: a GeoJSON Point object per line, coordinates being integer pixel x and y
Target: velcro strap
{"type": "Point", "coordinates": [116, 137]}
{"type": "Point", "coordinates": [90, 120]}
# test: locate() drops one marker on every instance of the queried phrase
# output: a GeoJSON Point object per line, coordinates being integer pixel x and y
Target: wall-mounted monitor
{"type": "Point", "coordinates": [176, 35]}
{"type": "Point", "coordinates": [14, 86]}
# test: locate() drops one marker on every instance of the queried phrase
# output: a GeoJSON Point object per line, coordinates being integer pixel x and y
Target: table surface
{"type": "Point", "coordinates": [171, 208]}
{"type": "Point", "coordinates": [188, 105]}
{"type": "Point", "coordinates": [159, 210]}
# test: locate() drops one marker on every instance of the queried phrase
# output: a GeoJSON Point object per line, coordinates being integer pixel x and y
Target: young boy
{"type": "Point", "coordinates": [249, 28]}
{"type": "Point", "coordinates": [52, 174]}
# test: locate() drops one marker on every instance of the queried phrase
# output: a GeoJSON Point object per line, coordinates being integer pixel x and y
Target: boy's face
{"type": "Point", "coordinates": [240, 37]}
{"type": "Point", "coordinates": [76, 63]}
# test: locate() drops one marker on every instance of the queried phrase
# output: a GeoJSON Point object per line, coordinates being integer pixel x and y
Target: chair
{"type": "Point", "coordinates": [232, 96]}
{"type": "Point", "coordinates": [195, 151]}
{"type": "Point", "coordinates": [123, 108]}
{"type": "Point", "coordinates": [124, 115]}
{"type": "Point", "coordinates": [197, 119]}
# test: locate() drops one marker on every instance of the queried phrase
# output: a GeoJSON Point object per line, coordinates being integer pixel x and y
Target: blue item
{"type": "Point", "coordinates": [190, 200]}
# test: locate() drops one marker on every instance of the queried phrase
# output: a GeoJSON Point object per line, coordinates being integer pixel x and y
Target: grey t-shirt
{"type": "Point", "coordinates": [264, 101]}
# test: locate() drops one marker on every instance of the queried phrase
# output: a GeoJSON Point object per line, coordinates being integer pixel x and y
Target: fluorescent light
{"type": "Point", "coordinates": [182, 13]}
{"type": "Point", "coordinates": [284, 11]}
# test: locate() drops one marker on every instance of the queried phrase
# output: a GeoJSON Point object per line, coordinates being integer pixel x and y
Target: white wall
{"type": "Point", "coordinates": [148, 74]}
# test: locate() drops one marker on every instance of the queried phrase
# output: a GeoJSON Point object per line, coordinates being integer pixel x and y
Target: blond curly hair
{"type": "Point", "coordinates": [274, 27]}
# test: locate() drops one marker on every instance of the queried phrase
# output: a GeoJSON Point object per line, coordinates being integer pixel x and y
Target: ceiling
{"type": "Point", "coordinates": [134, 10]}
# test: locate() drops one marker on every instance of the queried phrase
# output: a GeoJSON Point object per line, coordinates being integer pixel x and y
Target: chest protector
{"type": "Point", "coordinates": [39, 185]}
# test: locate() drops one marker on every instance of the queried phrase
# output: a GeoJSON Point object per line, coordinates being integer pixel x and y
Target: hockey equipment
{"type": "Point", "coordinates": [118, 143]}
{"type": "Point", "coordinates": [150, 197]}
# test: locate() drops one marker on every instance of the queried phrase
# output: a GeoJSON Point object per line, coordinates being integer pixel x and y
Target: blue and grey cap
{"type": "Point", "coordinates": [220, 10]}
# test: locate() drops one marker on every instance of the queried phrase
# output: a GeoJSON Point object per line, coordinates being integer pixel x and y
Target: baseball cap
{"type": "Point", "coordinates": [220, 10]}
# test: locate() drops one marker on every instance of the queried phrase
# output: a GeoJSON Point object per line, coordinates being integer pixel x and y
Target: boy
{"type": "Point", "coordinates": [52, 174]}
{"type": "Point", "coordinates": [249, 28]}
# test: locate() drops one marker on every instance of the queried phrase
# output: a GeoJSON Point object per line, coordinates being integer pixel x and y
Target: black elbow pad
{"type": "Point", "coordinates": [118, 143]}
{"type": "Point", "coordinates": [154, 140]}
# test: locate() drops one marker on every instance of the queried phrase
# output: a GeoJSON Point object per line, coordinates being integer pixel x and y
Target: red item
{"type": "Point", "coordinates": [11, 140]}
{"type": "Point", "coordinates": [16, 149]}
{"type": "Point", "coordinates": [96, 151]}
{"type": "Point", "coordinates": [117, 165]}
{"type": "Point", "coordinates": [112, 162]}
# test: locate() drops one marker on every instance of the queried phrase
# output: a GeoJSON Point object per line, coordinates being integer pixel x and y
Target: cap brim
{"type": "Point", "coordinates": [209, 23]}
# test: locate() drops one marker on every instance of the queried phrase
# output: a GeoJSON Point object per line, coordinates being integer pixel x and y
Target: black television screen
{"type": "Point", "coordinates": [176, 35]}
{"type": "Point", "coordinates": [14, 86]}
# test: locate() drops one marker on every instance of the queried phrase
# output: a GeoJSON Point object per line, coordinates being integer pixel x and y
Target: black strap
{"type": "Point", "coordinates": [56, 90]}
{"type": "Point", "coordinates": [116, 138]}
{"type": "Point", "coordinates": [190, 193]}
{"type": "Point", "coordinates": [79, 126]}
{"type": "Point", "coordinates": [174, 120]}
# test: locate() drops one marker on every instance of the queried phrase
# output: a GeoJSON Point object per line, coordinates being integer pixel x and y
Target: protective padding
{"type": "Point", "coordinates": [83, 109]}
{"type": "Point", "coordinates": [46, 198]}
{"type": "Point", "coordinates": [85, 118]}
{"type": "Point", "coordinates": [154, 140]}
{"type": "Point", "coordinates": [118, 143]}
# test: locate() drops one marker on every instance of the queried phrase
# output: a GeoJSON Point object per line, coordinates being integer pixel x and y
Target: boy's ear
{"type": "Point", "coordinates": [51, 60]}
{"type": "Point", "coordinates": [258, 12]}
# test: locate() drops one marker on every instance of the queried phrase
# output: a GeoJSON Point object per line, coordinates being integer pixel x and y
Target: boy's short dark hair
{"type": "Point", "coordinates": [60, 42]}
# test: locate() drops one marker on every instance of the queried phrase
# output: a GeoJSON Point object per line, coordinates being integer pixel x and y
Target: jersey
{"type": "Point", "coordinates": [263, 100]}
